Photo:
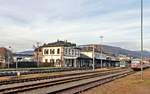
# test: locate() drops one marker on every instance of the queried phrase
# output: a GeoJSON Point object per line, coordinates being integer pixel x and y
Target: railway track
{"type": "Point", "coordinates": [79, 87]}
{"type": "Point", "coordinates": [22, 80]}
{"type": "Point", "coordinates": [69, 84]}
{"type": "Point", "coordinates": [4, 73]}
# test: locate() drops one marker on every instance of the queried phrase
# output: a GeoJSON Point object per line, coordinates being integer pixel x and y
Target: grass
{"type": "Point", "coordinates": [34, 75]}
{"type": "Point", "coordinates": [131, 84]}
{"type": "Point", "coordinates": [39, 75]}
{"type": "Point", "coordinates": [147, 81]}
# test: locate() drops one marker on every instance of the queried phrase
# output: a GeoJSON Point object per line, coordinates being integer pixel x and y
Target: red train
{"type": "Point", "coordinates": [136, 64]}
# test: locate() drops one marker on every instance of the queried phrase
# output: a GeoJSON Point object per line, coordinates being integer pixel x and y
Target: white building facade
{"type": "Point", "coordinates": [60, 56]}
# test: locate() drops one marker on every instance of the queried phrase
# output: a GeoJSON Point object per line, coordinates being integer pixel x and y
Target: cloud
{"type": "Point", "coordinates": [24, 22]}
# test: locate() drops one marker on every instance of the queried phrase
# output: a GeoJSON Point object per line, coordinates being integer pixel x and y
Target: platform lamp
{"type": "Point", "coordinates": [9, 58]}
{"type": "Point", "coordinates": [101, 37]}
{"type": "Point", "coordinates": [93, 57]}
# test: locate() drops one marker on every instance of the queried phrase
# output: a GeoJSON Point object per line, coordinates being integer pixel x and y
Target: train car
{"type": "Point", "coordinates": [136, 64]}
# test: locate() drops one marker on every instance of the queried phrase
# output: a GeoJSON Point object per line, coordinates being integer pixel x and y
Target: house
{"type": "Point", "coordinates": [6, 57]}
{"type": "Point", "coordinates": [58, 54]}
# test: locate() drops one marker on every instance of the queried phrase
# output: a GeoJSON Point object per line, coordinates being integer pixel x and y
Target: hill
{"type": "Point", "coordinates": [28, 52]}
{"type": "Point", "coordinates": [109, 49]}
{"type": "Point", "coordinates": [118, 50]}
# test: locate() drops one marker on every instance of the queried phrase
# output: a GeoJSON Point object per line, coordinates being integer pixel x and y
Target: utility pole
{"type": "Point", "coordinates": [101, 37]}
{"type": "Point", "coordinates": [141, 39]}
{"type": "Point", "coordinates": [93, 58]}
{"type": "Point", "coordinates": [9, 56]}
{"type": "Point", "coordinates": [38, 54]}
{"type": "Point", "coordinates": [16, 64]}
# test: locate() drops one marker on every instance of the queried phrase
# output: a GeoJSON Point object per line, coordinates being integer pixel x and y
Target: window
{"type": "Point", "coordinates": [46, 60]}
{"type": "Point", "coordinates": [77, 52]}
{"type": "Point", "coordinates": [66, 51]}
{"type": "Point", "coordinates": [69, 51]}
{"type": "Point", "coordinates": [40, 49]}
{"type": "Point", "coordinates": [73, 52]}
{"type": "Point", "coordinates": [52, 51]}
{"type": "Point", "coordinates": [58, 61]}
{"type": "Point", "coordinates": [46, 51]}
{"type": "Point", "coordinates": [51, 60]}
{"type": "Point", "coordinates": [58, 51]}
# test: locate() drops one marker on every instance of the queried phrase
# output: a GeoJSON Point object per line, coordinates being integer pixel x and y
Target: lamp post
{"type": "Point", "coordinates": [101, 37]}
{"type": "Point", "coordinates": [93, 58]}
{"type": "Point", "coordinates": [9, 57]}
{"type": "Point", "coordinates": [141, 39]}
{"type": "Point", "coordinates": [16, 63]}
{"type": "Point", "coordinates": [38, 54]}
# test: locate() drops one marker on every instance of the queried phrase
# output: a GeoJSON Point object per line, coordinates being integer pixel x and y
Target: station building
{"type": "Point", "coordinates": [87, 55]}
{"type": "Point", "coordinates": [67, 54]}
{"type": "Point", "coordinates": [58, 54]}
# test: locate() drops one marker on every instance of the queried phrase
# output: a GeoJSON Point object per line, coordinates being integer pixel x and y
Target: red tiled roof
{"type": "Point", "coordinates": [3, 50]}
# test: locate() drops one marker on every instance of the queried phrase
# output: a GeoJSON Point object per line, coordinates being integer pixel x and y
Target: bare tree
{"type": "Point", "coordinates": [36, 48]}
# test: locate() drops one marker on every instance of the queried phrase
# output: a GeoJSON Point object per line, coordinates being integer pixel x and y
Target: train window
{"type": "Point", "coordinates": [135, 61]}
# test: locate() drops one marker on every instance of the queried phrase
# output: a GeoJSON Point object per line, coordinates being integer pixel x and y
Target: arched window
{"type": "Point", "coordinates": [58, 51]}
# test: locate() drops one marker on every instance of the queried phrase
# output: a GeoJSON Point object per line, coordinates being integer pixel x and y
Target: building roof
{"type": "Point", "coordinates": [59, 43]}
{"type": "Point", "coordinates": [84, 56]}
{"type": "Point", "coordinates": [3, 50]}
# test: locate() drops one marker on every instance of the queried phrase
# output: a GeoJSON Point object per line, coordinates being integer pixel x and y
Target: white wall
{"type": "Point", "coordinates": [50, 56]}
{"type": "Point", "coordinates": [69, 53]}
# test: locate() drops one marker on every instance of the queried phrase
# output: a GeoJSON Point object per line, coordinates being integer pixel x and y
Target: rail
{"type": "Point", "coordinates": [58, 82]}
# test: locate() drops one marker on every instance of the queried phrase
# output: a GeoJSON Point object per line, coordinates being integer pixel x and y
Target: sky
{"type": "Point", "coordinates": [25, 22]}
